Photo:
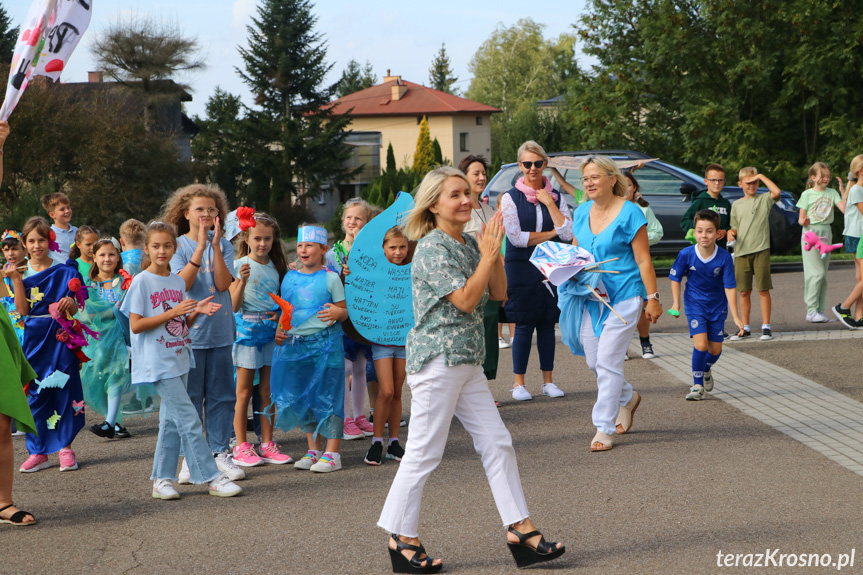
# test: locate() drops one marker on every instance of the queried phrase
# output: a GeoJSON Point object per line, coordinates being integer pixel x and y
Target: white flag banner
{"type": "Point", "coordinates": [51, 31]}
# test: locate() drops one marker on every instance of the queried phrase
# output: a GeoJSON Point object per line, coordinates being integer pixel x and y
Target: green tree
{"type": "Point", "coordinates": [438, 154]}
{"type": "Point", "coordinates": [355, 78]}
{"type": "Point", "coordinates": [142, 54]}
{"type": "Point", "coordinates": [424, 154]}
{"type": "Point", "coordinates": [8, 36]}
{"type": "Point", "coordinates": [391, 198]}
{"type": "Point", "coordinates": [391, 159]}
{"type": "Point", "coordinates": [299, 142]}
{"type": "Point", "coordinates": [441, 74]}
{"type": "Point", "coordinates": [718, 80]}
{"type": "Point", "coordinates": [219, 148]}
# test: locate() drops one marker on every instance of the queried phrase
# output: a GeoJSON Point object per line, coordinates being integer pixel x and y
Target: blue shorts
{"type": "Point", "coordinates": [388, 351]}
{"type": "Point", "coordinates": [714, 328]}
{"type": "Point", "coordinates": [851, 244]}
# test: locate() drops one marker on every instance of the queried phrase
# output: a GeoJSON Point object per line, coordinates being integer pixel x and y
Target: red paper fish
{"type": "Point", "coordinates": [287, 312]}
{"type": "Point", "coordinates": [127, 280]}
{"type": "Point", "coordinates": [246, 218]}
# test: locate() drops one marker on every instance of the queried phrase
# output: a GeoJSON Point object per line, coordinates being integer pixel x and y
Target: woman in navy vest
{"type": "Point", "coordinates": [533, 212]}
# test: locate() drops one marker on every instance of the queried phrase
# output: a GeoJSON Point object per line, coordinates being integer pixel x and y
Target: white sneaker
{"type": "Point", "coordinates": [164, 489]}
{"type": "Point", "coordinates": [551, 390]}
{"type": "Point", "coordinates": [185, 476]}
{"type": "Point", "coordinates": [502, 343]}
{"type": "Point", "coordinates": [226, 465]}
{"type": "Point", "coordinates": [307, 460]}
{"type": "Point", "coordinates": [519, 393]}
{"type": "Point", "coordinates": [708, 381]}
{"type": "Point", "coordinates": [696, 392]}
{"type": "Point", "coordinates": [626, 356]}
{"type": "Point", "coordinates": [818, 317]}
{"type": "Point", "coordinates": [809, 316]}
{"type": "Point", "coordinates": [222, 486]}
{"type": "Point", "coordinates": [326, 464]}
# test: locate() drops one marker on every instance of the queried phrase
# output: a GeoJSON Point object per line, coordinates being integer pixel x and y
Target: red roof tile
{"type": "Point", "coordinates": [418, 100]}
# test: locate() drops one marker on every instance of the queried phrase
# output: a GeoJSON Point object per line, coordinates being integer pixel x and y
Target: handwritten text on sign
{"type": "Point", "coordinates": [378, 293]}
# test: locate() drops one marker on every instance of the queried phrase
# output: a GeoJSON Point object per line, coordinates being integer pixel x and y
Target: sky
{"type": "Point", "coordinates": [403, 36]}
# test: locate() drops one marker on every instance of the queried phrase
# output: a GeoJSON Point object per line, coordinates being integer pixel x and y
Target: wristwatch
{"type": "Point", "coordinates": [653, 296]}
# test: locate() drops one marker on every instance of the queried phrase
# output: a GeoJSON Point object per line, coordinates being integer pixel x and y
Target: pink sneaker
{"type": "Point", "coordinates": [245, 456]}
{"type": "Point", "coordinates": [367, 428]}
{"type": "Point", "coordinates": [270, 453]}
{"type": "Point", "coordinates": [352, 431]}
{"type": "Point", "coordinates": [35, 462]}
{"type": "Point", "coordinates": [67, 460]}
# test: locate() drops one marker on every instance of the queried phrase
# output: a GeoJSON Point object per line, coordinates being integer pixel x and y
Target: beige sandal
{"type": "Point", "coordinates": [602, 442]}
{"type": "Point", "coordinates": [624, 416]}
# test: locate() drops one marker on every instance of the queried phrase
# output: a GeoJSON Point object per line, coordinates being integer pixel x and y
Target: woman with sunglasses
{"type": "Point", "coordinates": [533, 212]}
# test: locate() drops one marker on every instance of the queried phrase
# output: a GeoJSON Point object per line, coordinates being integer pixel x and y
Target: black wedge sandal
{"type": "Point", "coordinates": [525, 555]}
{"type": "Point", "coordinates": [17, 518]}
{"type": "Point", "coordinates": [402, 564]}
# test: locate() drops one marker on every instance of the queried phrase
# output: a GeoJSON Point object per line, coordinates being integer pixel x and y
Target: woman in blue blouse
{"type": "Point", "coordinates": [608, 226]}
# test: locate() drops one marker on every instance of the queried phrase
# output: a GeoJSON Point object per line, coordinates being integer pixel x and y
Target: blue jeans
{"type": "Point", "coordinates": [522, 342]}
{"type": "Point", "coordinates": [211, 383]}
{"type": "Point", "coordinates": [180, 426]}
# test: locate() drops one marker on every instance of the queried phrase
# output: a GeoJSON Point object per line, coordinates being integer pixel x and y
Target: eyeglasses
{"type": "Point", "coordinates": [529, 165]}
{"type": "Point", "coordinates": [591, 179]}
{"type": "Point", "coordinates": [208, 211]}
{"type": "Point", "coordinates": [715, 180]}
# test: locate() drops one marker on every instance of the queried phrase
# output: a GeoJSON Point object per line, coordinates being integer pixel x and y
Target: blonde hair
{"type": "Point", "coordinates": [277, 251]}
{"type": "Point", "coordinates": [368, 211]}
{"type": "Point", "coordinates": [814, 170]}
{"type": "Point", "coordinates": [608, 167]}
{"type": "Point", "coordinates": [158, 228]}
{"type": "Point", "coordinates": [746, 172]}
{"type": "Point", "coordinates": [533, 147]}
{"type": "Point", "coordinates": [133, 232]}
{"type": "Point", "coordinates": [420, 221]}
{"type": "Point", "coordinates": [174, 210]}
{"type": "Point", "coordinates": [856, 166]}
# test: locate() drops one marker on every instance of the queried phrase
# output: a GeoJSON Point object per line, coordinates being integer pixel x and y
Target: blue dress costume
{"type": "Point", "coordinates": [46, 354]}
{"type": "Point", "coordinates": [107, 374]}
{"type": "Point", "coordinates": [308, 374]}
{"type": "Point", "coordinates": [14, 316]}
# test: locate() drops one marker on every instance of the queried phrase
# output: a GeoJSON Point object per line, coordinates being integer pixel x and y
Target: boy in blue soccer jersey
{"type": "Point", "coordinates": [710, 292]}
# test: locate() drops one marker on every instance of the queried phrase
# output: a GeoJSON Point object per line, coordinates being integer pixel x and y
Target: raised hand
{"type": "Point", "coordinates": [544, 197]}
{"type": "Point", "coordinates": [206, 306]}
{"type": "Point", "coordinates": [185, 307]}
{"type": "Point", "coordinates": [491, 236]}
{"type": "Point", "coordinates": [245, 272]}
{"type": "Point", "coordinates": [11, 271]}
{"type": "Point", "coordinates": [217, 232]}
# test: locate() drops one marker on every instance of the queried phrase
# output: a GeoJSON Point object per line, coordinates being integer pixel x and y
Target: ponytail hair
{"type": "Point", "coordinates": [814, 170]}
{"type": "Point", "coordinates": [75, 252]}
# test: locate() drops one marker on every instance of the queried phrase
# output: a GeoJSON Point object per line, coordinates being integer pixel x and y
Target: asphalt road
{"type": "Point", "coordinates": [689, 481]}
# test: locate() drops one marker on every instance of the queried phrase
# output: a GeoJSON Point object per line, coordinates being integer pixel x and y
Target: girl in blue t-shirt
{"type": "Point", "coordinates": [160, 315]}
{"type": "Point", "coordinates": [259, 268]}
{"type": "Point", "coordinates": [205, 261]}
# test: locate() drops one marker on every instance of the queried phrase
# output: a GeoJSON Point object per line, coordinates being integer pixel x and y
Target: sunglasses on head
{"type": "Point", "coordinates": [529, 165]}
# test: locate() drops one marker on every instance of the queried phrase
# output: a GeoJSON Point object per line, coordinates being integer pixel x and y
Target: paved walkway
{"type": "Point", "coordinates": [815, 415]}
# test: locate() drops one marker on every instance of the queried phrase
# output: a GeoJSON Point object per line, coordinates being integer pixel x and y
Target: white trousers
{"type": "Point", "coordinates": [439, 392]}
{"type": "Point", "coordinates": [604, 356]}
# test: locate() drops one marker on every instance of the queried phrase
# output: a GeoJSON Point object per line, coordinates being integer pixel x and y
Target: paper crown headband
{"type": "Point", "coordinates": [11, 234]}
{"type": "Point", "coordinates": [312, 234]}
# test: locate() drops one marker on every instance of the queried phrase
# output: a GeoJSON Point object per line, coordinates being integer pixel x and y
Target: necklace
{"type": "Point", "coordinates": [481, 215]}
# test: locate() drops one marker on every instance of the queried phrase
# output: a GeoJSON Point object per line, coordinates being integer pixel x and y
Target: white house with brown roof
{"type": "Point", "coordinates": [395, 108]}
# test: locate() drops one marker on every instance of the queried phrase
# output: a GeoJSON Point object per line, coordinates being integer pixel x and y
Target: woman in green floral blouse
{"type": "Point", "coordinates": [452, 278]}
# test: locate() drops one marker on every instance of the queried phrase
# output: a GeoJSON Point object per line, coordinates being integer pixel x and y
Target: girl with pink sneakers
{"type": "Point", "coordinates": [259, 268]}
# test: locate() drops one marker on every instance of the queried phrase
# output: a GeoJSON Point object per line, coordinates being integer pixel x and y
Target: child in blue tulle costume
{"type": "Point", "coordinates": [307, 381]}
{"type": "Point", "coordinates": [47, 294]}
{"type": "Point", "coordinates": [106, 376]}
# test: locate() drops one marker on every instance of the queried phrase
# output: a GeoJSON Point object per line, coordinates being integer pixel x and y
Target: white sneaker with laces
{"type": "Point", "coordinates": [164, 489]}
{"type": "Point", "coordinates": [519, 393]}
{"type": "Point", "coordinates": [185, 476]}
{"type": "Point", "coordinates": [226, 465]}
{"type": "Point", "coordinates": [551, 390]}
{"type": "Point", "coordinates": [708, 381]}
{"type": "Point", "coordinates": [818, 317]}
{"type": "Point", "coordinates": [502, 343]}
{"type": "Point", "coordinates": [222, 486]}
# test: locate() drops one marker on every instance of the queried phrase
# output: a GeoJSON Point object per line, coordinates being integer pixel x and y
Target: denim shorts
{"type": "Point", "coordinates": [253, 357]}
{"type": "Point", "coordinates": [388, 351]}
{"type": "Point", "coordinates": [851, 244]}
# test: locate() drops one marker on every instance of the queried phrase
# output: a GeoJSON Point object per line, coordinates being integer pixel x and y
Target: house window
{"type": "Point", "coordinates": [479, 120]}
{"type": "Point", "coordinates": [464, 145]}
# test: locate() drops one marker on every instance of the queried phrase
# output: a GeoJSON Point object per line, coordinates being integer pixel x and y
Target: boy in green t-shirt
{"type": "Point", "coordinates": [750, 236]}
{"type": "Point", "coordinates": [710, 199]}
